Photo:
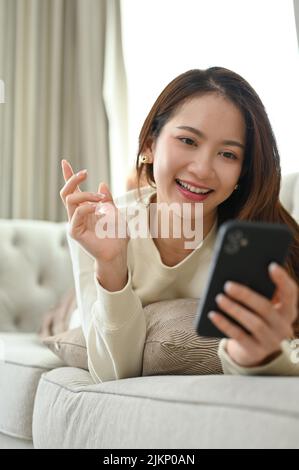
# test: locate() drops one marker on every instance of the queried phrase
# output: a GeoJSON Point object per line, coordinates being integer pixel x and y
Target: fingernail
{"type": "Point", "coordinates": [273, 266]}
{"type": "Point", "coordinates": [101, 195]}
{"type": "Point", "coordinates": [82, 172]}
{"type": "Point", "coordinates": [98, 197]}
{"type": "Point", "coordinates": [219, 297]}
{"type": "Point", "coordinates": [211, 314]}
{"type": "Point", "coordinates": [227, 286]}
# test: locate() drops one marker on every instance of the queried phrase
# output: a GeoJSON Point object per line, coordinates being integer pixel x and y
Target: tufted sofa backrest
{"type": "Point", "coordinates": [289, 194]}
{"type": "Point", "coordinates": [35, 271]}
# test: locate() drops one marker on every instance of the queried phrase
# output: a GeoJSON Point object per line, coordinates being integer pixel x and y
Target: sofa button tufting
{"type": "Point", "coordinates": [14, 241]}
{"type": "Point", "coordinates": [41, 279]}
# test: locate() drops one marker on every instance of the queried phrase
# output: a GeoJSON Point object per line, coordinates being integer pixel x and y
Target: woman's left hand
{"type": "Point", "coordinates": [268, 321]}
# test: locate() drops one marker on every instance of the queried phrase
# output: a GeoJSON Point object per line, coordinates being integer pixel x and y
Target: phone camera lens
{"type": "Point", "coordinates": [243, 242]}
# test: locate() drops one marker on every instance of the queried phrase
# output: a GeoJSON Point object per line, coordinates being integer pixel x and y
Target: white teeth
{"type": "Point", "coordinates": [192, 188]}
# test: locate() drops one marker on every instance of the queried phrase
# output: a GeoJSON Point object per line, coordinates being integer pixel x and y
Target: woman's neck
{"type": "Point", "coordinates": [175, 248]}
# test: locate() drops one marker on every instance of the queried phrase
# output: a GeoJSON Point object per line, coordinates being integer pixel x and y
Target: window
{"type": "Point", "coordinates": [257, 39]}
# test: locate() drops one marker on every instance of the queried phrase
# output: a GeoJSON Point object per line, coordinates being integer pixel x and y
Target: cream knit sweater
{"type": "Point", "coordinates": [113, 322]}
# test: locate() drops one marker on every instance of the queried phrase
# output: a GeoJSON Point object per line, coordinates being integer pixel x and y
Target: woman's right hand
{"type": "Point", "coordinates": [82, 217]}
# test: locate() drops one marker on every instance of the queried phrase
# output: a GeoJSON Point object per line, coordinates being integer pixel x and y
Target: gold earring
{"type": "Point", "coordinates": [144, 159]}
{"type": "Point", "coordinates": [236, 187]}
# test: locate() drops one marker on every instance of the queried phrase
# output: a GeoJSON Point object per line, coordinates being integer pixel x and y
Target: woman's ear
{"type": "Point", "coordinates": [150, 149]}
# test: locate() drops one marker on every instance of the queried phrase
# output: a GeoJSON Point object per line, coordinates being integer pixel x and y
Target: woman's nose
{"type": "Point", "coordinates": [202, 166]}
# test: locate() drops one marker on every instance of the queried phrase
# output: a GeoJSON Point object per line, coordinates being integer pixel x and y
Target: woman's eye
{"type": "Point", "coordinates": [191, 142]}
{"type": "Point", "coordinates": [187, 140]}
{"type": "Point", "coordinates": [229, 155]}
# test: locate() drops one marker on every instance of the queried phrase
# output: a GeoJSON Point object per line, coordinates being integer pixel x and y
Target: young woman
{"type": "Point", "coordinates": [208, 133]}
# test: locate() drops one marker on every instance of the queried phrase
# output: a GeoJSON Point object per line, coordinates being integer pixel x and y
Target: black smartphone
{"type": "Point", "coordinates": [243, 252]}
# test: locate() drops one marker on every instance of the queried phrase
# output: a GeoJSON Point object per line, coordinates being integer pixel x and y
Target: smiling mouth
{"type": "Point", "coordinates": [193, 189]}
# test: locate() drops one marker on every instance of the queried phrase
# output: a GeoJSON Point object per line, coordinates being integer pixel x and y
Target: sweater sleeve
{"type": "Point", "coordinates": [113, 323]}
{"type": "Point", "coordinates": [287, 363]}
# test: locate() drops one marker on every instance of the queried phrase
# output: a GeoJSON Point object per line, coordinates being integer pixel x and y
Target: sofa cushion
{"type": "Point", "coordinates": [172, 345]}
{"type": "Point", "coordinates": [23, 359]}
{"type": "Point", "coordinates": [70, 347]}
{"type": "Point", "coordinates": [57, 319]}
{"type": "Point", "coordinates": [206, 411]}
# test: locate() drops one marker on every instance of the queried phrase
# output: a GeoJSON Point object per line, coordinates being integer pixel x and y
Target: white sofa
{"type": "Point", "coordinates": [46, 405]}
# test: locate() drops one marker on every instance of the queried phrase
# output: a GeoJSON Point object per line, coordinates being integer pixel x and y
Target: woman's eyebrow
{"type": "Point", "coordinates": [202, 135]}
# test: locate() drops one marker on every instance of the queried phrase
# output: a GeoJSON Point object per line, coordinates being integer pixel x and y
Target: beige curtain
{"type": "Point", "coordinates": [65, 92]}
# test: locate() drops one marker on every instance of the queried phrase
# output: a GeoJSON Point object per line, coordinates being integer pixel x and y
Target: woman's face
{"type": "Point", "coordinates": [196, 146]}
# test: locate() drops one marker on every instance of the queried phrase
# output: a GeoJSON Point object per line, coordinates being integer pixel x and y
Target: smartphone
{"type": "Point", "coordinates": [243, 252]}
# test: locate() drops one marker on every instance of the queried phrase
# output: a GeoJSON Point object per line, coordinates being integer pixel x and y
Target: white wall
{"type": "Point", "coordinates": [296, 10]}
{"type": "Point", "coordinates": [255, 38]}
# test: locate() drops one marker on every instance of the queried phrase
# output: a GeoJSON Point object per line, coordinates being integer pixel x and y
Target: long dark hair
{"type": "Point", "coordinates": [257, 198]}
